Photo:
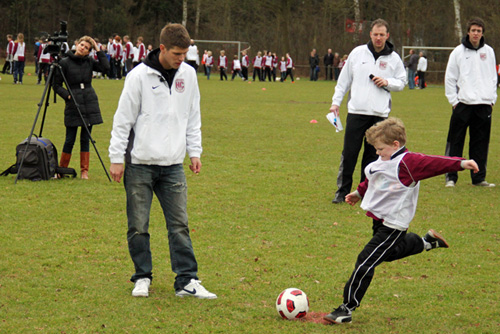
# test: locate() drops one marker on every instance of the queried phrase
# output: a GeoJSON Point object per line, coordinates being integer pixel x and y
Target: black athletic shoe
{"type": "Point", "coordinates": [435, 239]}
{"type": "Point", "coordinates": [340, 315]}
{"type": "Point", "coordinates": [338, 199]}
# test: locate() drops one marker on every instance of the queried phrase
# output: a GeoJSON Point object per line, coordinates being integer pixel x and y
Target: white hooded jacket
{"type": "Point", "coordinates": [165, 120]}
{"type": "Point", "coordinates": [365, 98]}
{"type": "Point", "coordinates": [471, 76]}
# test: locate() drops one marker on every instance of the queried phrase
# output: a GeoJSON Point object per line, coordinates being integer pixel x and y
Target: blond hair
{"type": "Point", "coordinates": [386, 132]}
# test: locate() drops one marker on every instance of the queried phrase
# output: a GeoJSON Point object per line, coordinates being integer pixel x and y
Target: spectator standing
{"type": "Point", "coordinates": [19, 59]}
{"type": "Point", "coordinates": [412, 68]}
{"type": "Point", "coordinates": [192, 55]}
{"type": "Point", "coordinates": [371, 72]}
{"type": "Point", "coordinates": [77, 68]}
{"type": "Point", "coordinates": [328, 62]}
{"type": "Point", "coordinates": [421, 69]}
{"type": "Point", "coordinates": [152, 131]}
{"type": "Point", "coordinates": [313, 65]}
{"type": "Point", "coordinates": [471, 88]}
{"type": "Point", "coordinates": [336, 62]}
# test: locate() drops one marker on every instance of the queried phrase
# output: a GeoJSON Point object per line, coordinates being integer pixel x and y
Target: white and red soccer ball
{"type": "Point", "coordinates": [292, 303]}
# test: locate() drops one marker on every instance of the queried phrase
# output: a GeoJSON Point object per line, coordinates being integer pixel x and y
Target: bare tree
{"type": "Point", "coordinates": [458, 24]}
{"type": "Point", "coordinates": [184, 12]}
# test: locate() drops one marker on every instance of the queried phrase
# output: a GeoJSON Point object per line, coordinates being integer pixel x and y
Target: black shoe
{"type": "Point", "coordinates": [338, 199]}
{"type": "Point", "coordinates": [435, 240]}
{"type": "Point", "coordinates": [340, 315]}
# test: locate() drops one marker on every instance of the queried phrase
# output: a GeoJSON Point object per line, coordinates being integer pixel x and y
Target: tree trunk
{"type": "Point", "coordinates": [458, 23]}
{"type": "Point", "coordinates": [197, 22]}
{"type": "Point", "coordinates": [184, 12]}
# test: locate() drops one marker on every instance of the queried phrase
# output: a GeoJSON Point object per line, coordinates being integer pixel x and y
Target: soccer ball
{"type": "Point", "coordinates": [292, 303]}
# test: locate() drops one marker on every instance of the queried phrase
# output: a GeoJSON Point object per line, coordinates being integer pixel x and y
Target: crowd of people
{"type": "Point", "coordinates": [121, 53]}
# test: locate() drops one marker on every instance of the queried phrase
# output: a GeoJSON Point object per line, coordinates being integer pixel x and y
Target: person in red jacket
{"type": "Point", "coordinates": [390, 195]}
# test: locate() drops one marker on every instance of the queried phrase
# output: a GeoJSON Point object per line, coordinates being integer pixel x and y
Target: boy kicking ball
{"type": "Point", "coordinates": [390, 194]}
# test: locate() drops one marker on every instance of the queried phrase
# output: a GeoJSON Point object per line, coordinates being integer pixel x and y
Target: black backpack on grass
{"type": "Point", "coordinates": [40, 162]}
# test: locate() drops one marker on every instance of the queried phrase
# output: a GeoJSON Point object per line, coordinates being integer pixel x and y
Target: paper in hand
{"type": "Point", "coordinates": [335, 120]}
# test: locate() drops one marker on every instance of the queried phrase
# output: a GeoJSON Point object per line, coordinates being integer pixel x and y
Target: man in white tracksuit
{"type": "Point", "coordinates": [371, 72]}
{"type": "Point", "coordinates": [471, 88]}
{"type": "Point", "coordinates": [156, 122]}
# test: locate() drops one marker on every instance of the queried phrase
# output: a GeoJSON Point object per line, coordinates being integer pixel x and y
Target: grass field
{"type": "Point", "coordinates": [261, 219]}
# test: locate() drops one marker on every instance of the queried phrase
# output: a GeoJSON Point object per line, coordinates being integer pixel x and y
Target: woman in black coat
{"type": "Point", "coordinates": [77, 68]}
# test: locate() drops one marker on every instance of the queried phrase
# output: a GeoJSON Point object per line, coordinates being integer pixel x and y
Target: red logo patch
{"type": "Point", "coordinates": [383, 65]}
{"type": "Point", "coordinates": [482, 56]}
{"type": "Point", "coordinates": [179, 85]}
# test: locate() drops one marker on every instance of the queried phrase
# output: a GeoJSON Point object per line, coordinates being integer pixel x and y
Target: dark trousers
{"type": "Point", "coordinates": [267, 73]}
{"type": "Point", "coordinates": [244, 72]}
{"type": "Point", "coordinates": [257, 71]}
{"type": "Point", "coordinates": [118, 68]}
{"type": "Point", "coordinates": [236, 72]}
{"type": "Point", "coordinates": [6, 67]}
{"type": "Point", "coordinates": [478, 119]}
{"type": "Point", "coordinates": [356, 126]}
{"type": "Point", "coordinates": [386, 245]}
{"type": "Point", "coordinates": [421, 79]}
{"type": "Point", "coordinates": [328, 72]}
{"type": "Point", "coordinates": [289, 73]}
{"type": "Point", "coordinates": [222, 73]}
{"type": "Point", "coordinates": [337, 73]}
{"type": "Point", "coordinates": [71, 138]}
{"type": "Point", "coordinates": [43, 69]}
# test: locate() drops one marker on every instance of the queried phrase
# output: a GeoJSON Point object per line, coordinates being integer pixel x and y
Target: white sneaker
{"type": "Point", "coordinates": [195, 289]}
{"type": "Point", "coordinates": [450, 184]}
{"type": "Point", "coordinates": [141, 288]}
{"type": "Point", "coordinates": [484, 184]}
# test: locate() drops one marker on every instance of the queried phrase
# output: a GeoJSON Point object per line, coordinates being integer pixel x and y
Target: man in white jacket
{"type": "Point", "coordinates": [156, 122]}
{"type": "Point", "coordinates": [471, 88]}
{"type": "Point", "coordinates": [371, 72]}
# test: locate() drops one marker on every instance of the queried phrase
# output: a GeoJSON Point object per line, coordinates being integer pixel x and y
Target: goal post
{"type": "Point", "coordinates": [238, 44]}
{"type": "Point", "coordinates": [437, 59]}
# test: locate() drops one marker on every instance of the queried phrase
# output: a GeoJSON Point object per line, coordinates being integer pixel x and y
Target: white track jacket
{"type": "Point", "coordinates": [166, 120]}
{"type": "Point", "coordinates": [471, 76]}
{"type": "Point", "coordinates": [365, 98]}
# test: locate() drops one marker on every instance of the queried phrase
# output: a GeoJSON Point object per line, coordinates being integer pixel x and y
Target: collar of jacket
{"type": "Point", "coordinates": [466, 42]}
{"type": "Point", "coordinates": [388, 48]}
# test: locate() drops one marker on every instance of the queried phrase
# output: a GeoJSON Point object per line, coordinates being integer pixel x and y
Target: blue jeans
{"type": "Point", "coordinates": [411, 79]}
{"type": "Point", "coordinates": [18, 71]}
{"type": "Point", "coordinates": [169, 185]}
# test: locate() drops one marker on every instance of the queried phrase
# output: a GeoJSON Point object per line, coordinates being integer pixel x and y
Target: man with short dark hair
{"type": "Point", "coordinates": [371, 72]}
{"type": "Point", "coordinates": [328, 62]}
{"type": "Point", "coordinates": [412, 69]}
{"type": "Point", "coordinates": [471, 88]}
{"type": "Point", "coordinates": [157, 121]}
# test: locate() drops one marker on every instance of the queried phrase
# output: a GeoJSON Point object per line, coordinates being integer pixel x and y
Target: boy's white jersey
{"type": "Point", "coordinates": [386, 197]}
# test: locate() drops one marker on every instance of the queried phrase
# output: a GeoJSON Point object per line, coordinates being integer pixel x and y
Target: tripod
{"type": "Point", "coordinates": [45, 96]}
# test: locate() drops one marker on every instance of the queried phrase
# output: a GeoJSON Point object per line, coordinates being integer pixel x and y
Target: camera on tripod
{"type": "Point", "coordinates": [57, 40]}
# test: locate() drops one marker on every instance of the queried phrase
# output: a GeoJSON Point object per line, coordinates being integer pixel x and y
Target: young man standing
{"type": "Point", "coordinates": [156, 122]}
{"type": "Point", "coordinates": [371, 72]}
{"type": "Point", "coordinates": [471, 88]}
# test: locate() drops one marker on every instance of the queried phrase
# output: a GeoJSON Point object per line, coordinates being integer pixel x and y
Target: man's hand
{"type": "Point", "coordinates": [195, 165]}
{"type": "Point", "coordinates": [116, 171]}
{"type": "Point", "coordinates": [335, 109]}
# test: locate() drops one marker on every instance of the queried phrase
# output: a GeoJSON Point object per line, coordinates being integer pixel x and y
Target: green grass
{"type": "Point", "coordinates": [261, 220]}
